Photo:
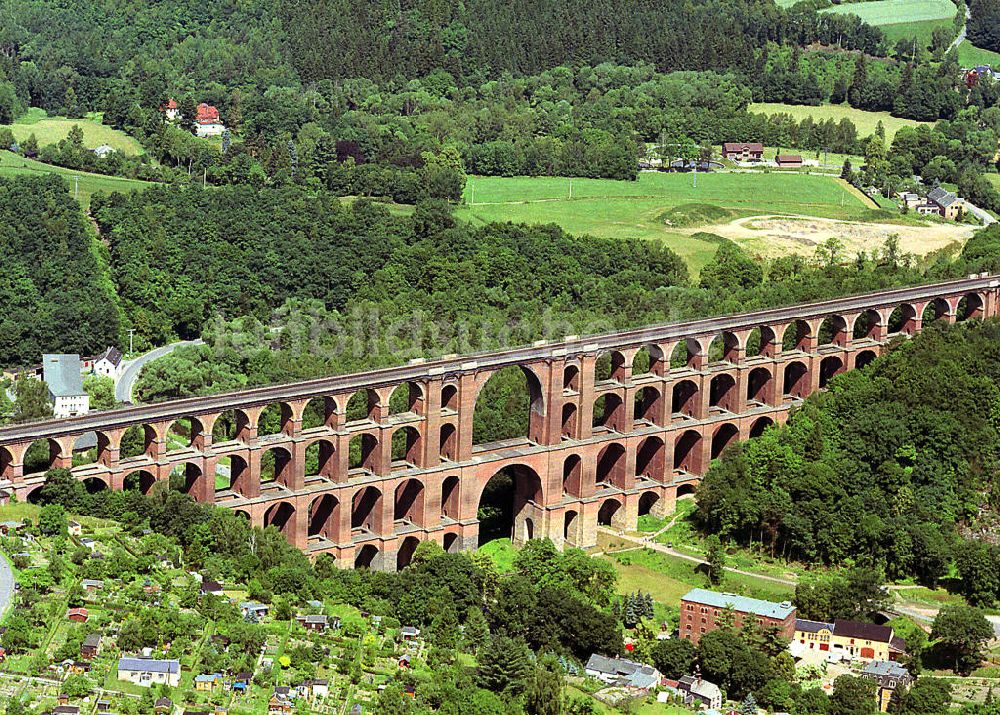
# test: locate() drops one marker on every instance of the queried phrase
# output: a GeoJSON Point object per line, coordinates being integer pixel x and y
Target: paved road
{"type": "Point", "coordinates": [984, 216]}
{"type": "Point", "coordinates": [126, 383]}
{"type": "Point", "coordinates": [6, 584]}
{"type": "Point", "coordinates": [961, 34]}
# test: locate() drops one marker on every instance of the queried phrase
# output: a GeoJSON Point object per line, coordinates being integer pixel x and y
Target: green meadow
{"type": "Point", "coordinates": [81, 184]}
{"type": "Point", "coordinates": [51, 130]}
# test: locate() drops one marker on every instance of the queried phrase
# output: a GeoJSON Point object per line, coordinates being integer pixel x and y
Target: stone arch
{"type": "Point", "coordinates": [762, 341]}
{"type": "Point", "coordinates": [139, 480]}
{"type": "Point", "coordinates": [649, 360]}
{"type": "Point", "coordinates": [95, 484]}
{"type": "Point", "coordinates": [185, 433]}
{"type": "Point", "coordinates": [407, 398]}
{"type": "Point", "coordinates": [725, 435]}
{"type": "Point", "coordinates": [136, 441]}
{"type": "Point", "coordinates": [687, 353]}
{"type": "Point", "coordinates": [571, 521]}
{"type": "Point", "coordinates": [449, 397]}
{"type": "Point", "coordinates": [610, 366]}
{"type": "Point", "coordinates": [513, 391]}
{"type": "Point", "coordinates": [366, 509]}
{"type": "Point", "coordinates": [868, 325]}
{"type": "Point", "coordinates": [647, 500]}
{"type": "Point", "coordinates": [760, 386]}
{"type": "Point", "coordinates": [188, 478]}
{"type": "Point", "coordinates": [232, 473]}
{"type": "Point", "coordinates": [277, 465]}
{"type": "Point", "coordinates": [685, 398]}
{"type": "Point", "coordinates": [404, 555]}
{"type": "Point", "coordinates": [451, 497]}
{"type": "Point", "coordinates": [570, 419]}
{"type": "Point", "coordinates": [529, 528]}
{"type": "Point", "coordinates": [321, 459]}
{"type": "Point", "coordinates": [647, 405]}
{"type": "Point", "coordinates": [367, 557]}
{"type": "Point", "coordinates": [35, 494]}
{"type": "Point", "coordinates": [282, 517]}
{"type": "Point", "coordinates": [723, 392]}
{"type": "Point", "coordinates": [611, 466]}
{"type": "Point", "coordinates": [759, 425]}
{"type": "Point", "coordinates": [829, 368]}
{"type": "Point", "coordinates": [725, 347]}
{"type": "Point", "coordinates": [448, 439]}
{"type": "Point", "coordinates": [796, 379]}
{"type": "Point", "coordinates": [41, 456]}
{"type": "Point", "coordinates": [571, 378]}
{"type": "Point", "coordinates": [362, 406]}
{"type": "Point", "coordinates": [864, 359]}
{"type": "Point", "coordinates": [6, 463]}
{"type": "Point", "coordinates": [797, 336]}
{"type": "Point", "coordinates": [319, 412]}
{"type": "Point", "coordinates": [935, 309]}
{"type": "Point", "coordinates": [506, 499]}
{"type": "Point", "coordinates": [687, 452]}
{"type": "Point", "coordinates": [650, 459]}
{"type": "Point", "coordinates": [833, 331]}
{"type": "Point", "coordinates": [573, 476]}
{"type": "Point", "coordinates": [685, 489]}
{"type": "Point", "coordinates": [230, 425]}
{"type": "Point", "coordinates": [324, 517]}
{"type": "Point", "coordinates": [87, 448]}
{"type": "Point", "coordinates": [970, 306]}
{"type": "Point", "coordinates": [276, 418]}
{"type": "Point", "coordinates": [364, 452]}
{"type": "Point", "coordinates": [611, 513]}
{"type": "Point", "coordinates": [903, 319]}
{"type": "Point", "coordinates": [408, 505]}
{"type": "Point", "coordinates": [609, 412]}
{"type": "Point", "coordinates": [407, 446]}
{"type": "Point", "coordinates": [451, 543]}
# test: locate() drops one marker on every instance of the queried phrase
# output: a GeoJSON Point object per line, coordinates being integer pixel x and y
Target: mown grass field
{"type": "Point", "coordinates": [634, 209]}
{"type": "Point", "coordinates": [969, 56]}
{"type": "Point", "coordinates": [51, 130]}
{"type": "Point", "coordinates": [89, 184]}
{"type": "Point", "coordinates": [864, 121]}
{"type": "Point", "coordinates": [891, 12]}
{"type": "Point", "coordinates": [921, 30]}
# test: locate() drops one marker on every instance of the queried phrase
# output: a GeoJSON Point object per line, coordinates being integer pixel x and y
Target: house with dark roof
{"type": "Point", "coordinates": [866, 641]}
{"type": "Point", "coordinates": [313, 623]}
{"type": "Point", "coordinates": [61, 374]}
{"type": "Point", "coordinates": [702, 611]}
{"type": "Point", "coordinates": [788, 161]}
{"type": "Point", "coordinates": [887, 676]}
{"type": "Point", "coordinates": [700, 692]}
{"type": "Point", "coordinates": [946, 203]}
{"type": "Point", "coordinates": [90, 645]}
{"type": "Point", "coordinates": [743, 151]}
{"type": "Point", "coordinates": [108, 363]}
{"type": "Point", "coordinates": [163, 706]}
{"type": "Point", "coordinates": [622, 672]}
{"type": "Point", "coordinates": [212, 587]}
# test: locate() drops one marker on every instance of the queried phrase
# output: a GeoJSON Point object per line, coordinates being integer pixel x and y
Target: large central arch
{"type": "Point", "coordinates": [507, 505]}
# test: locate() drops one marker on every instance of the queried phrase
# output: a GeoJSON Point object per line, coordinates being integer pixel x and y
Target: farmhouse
{"type": "Point", "coordinates": [147, 671]}
{"type": "Point", "coordinates": [104, 151]}
{"type": "Point", "coordinates": [313, 623]}
{"type": "Point", "coordinates": [701, 611]}
{"type": "Point", "coordinates": [62, 375]}
{"type": "Point", "coordinates": [788, 161]}
{"type": "Point", "coordinates": [945, 203]}
{"type": "Point", "coordinates": [887, 676]}
{"type": "Point", "coordinates": [743, 151]}
{"type": "Point", "coordinates": [622, 672]}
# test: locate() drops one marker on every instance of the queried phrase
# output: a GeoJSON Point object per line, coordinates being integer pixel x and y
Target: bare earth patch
{"type": "Point", "coordinates": [774, 236]}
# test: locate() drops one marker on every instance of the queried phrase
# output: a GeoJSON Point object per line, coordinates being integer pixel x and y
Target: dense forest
{"type": "Point", "coordinates": [894, 466]}
{"type": "Point", "coordinates": [54, 287]}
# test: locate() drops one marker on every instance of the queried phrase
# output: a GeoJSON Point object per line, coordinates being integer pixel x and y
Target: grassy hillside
{"type": "Point", "coordinates": [921, 30]}
{"type": "Point", "coordinates": [50, 130]}
{"type": "Point", "coordinates": [969, 55]}
{"type": "Point", "coordinates": [864, 121]}
{"type": "Point", "coordinates": [89, 184]}
{"type": "Point", "coordinates": [891, 12]}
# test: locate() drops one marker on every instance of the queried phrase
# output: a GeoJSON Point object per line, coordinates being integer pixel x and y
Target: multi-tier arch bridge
{"type": "Point", "coordinates": [620, 424]}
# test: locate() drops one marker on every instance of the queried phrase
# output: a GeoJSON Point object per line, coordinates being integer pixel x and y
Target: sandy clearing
{"type": "Point", "coordinates": [772, 236]}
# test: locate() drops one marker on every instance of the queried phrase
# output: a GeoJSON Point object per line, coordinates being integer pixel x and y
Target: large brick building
{"type": "Point", "coordinates": [702, 612]}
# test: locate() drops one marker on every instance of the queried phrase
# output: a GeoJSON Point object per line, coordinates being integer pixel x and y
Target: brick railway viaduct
{"type": "Point", "coordinates": [611, 435]}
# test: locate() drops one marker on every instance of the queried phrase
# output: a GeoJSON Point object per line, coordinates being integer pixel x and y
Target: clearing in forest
{"type": "Point", "coordinates": [864, 121]}
{"type": "Point", "coordinates": [13, 165]}
{"type": "Point", "coordinates": [893, 12]}
{"type": "Point", "coordinates": [51, 130]}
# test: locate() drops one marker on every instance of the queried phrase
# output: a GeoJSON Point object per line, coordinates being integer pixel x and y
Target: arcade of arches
{"type": "Point", "coordinates": [590, 436]}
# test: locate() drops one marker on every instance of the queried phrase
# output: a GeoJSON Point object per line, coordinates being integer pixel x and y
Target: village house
{"type": "Point", "coordinates": [849, 639]}
{"type": "Point", "coordinates": [252, 608]}
{"type": "Point", "coordinates": [788, 161]}
{"type": "Point", "coordinates": [946, 203]}
{"type": "Point", "coordinates": [743, 151]}
{"type": "Point", "coordinates": [61, 374]}
{"type": "Point", "coordinates": [409, 633]}
{"type": "Point", "coordinates": [313, 623]}
{"type": "Point", "coordinates": [207, 681]}
{"type": "Point", "coordinates": [89, 584]}
{"type": "Point", "coordinates": [78, 615]}
{"type": "Point", "coordinates": [701, 612]}
{"type": "Point", "coordinates": [887, 676]}
{"type": "Point", "coordinates": [147, 671]}
{"type": "Point", "coordinates": [211, 587]}
{"type": "Point", "coordinates": [622, 672]}
{"type": "Point", "coordinates": [90, 645]}
{"type": "Point", "coordinates": [700, 692]}
{"type": "Point", "coordinates": [208, 122]}
{"type": "Point", "coordinates": [104, 151]}
{"type": "Point", "coordinates": [279, 706]}
{"type": "Point", "coordinates": [108, 363]}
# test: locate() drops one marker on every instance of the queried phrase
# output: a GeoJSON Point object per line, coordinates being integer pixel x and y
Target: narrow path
{"type": "Point", "coordinates": [961, 33]}
{"type": "Point", "coordinates": [126, 383]}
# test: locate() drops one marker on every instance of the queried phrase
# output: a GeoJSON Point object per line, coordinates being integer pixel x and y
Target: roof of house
{"type": "Point", "coordinates": [863, 631]}
{"type": "Point", "coordinates": [314, 603]}
{"type": "Point", "coordinates": [77, 612]}
{"type": "Point", "coordinates": [207, 678]}
{"type": "Point", "coordinates": [210, 586]}
{"type": "Point", "coordinates": [93, 639]}
{"type": "Point", "coordinates": [941, 197]}
{"type": "Point", "coordinates": [207, 114]}
{"type": "Point", "coordinates": [885, 667]}
{"type": "Point", "coordinates": [621, 667]}
{"type": "Point", "coordinates": [150, 665]}
{"type": "Point", "coordinates": [62, 374]}
{"type": "Point", "coordinates": [740, 146]}
{"type": "Point", "coordinates": [788, 158]}
{"type": "Point", "coordinates": [65, 710]}
{"type": "Point", "coordinates": [92, 582]}
{"type": "Point", "coordinates": [171, 104]}
{"type": "Point", "coordinates": [897, 643]}
{"type": "Point", "coordinates": [163, 703]}
{"type": "Point", "coordinates": [315, 619]}
{"type": "Point", "coordinates": [700, 686]}
{"type": "Point", "coordinates": [111, 354]}
{"type": "Point", "coordinates": [801, 624]}
{"type": "Point", "coordinates": [254, 606]}
{"type": "Point", "coordinates": [409, 631]}
{"type": "Point", "coordinates": [743, 604]}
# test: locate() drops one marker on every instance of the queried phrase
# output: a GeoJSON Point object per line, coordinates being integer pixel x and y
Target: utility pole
{"type": "Point", "coordinates": [472, 193]}
{"type": "Point", "coordinates": [76, 189]}
{"type": "Point", "coordinates": [131, 333]}
{"type": "Point", "coordinates": [571, 188]}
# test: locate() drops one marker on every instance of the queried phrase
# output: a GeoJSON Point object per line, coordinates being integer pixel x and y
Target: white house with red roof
{"type": "Point", "coordinates": [171, 111]}
{"type": "Point", "coordinates": [208, 123]}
